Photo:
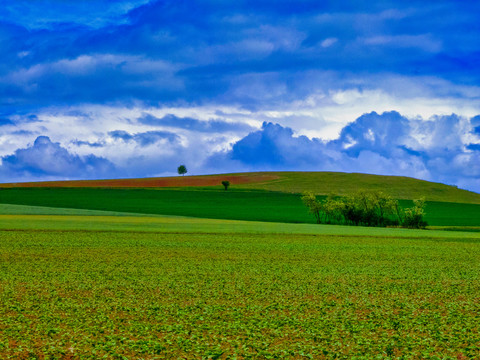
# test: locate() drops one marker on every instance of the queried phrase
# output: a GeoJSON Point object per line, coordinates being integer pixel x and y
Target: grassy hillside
{"type": "Point", "coordinates": [253, 205]}
{"type": "Point", "coordinates": [321, 183]}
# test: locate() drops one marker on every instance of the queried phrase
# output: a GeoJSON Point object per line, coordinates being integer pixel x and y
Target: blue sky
{"type": "Point", "coordinates": [103, 89]}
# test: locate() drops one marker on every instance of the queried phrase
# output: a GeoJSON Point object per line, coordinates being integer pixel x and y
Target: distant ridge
{"type": "Point", "coordinates": [322, 183]}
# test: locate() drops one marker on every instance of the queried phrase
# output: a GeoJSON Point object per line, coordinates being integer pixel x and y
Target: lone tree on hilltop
{"type": "Point", "coordinates": [182, 170]}
{"type": "Point", "coordinates": [226, 184]}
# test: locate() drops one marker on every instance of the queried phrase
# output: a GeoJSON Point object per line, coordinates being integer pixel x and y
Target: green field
{"type": "Point", "coordinates": [186, 225]}
{"type": "Point", "coordinates": [203, 273]}
{"type": "Point", "coordinates": [93, 286]}
{"type": "Point", "coordinates": [254, 205]}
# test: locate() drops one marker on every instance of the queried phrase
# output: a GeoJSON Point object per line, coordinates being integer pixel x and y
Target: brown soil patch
{"type": "Point", "coordinates": [176, 181]}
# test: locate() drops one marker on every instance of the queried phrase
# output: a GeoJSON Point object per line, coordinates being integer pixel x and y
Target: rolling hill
{"type": "Point", "coordinates": [322, 183]}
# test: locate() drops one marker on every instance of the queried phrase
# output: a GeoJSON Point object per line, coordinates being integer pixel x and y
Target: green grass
{"type": "Point", "coordinates": [11, 209]}
{"type": "Point", "coordinates": [254, 205]}
{"type": "Point", "coordinates": [200, 202]}
{"type": "Point", "coordinates": [176, 224]}
{"type": "Point", "coordinates": [167, 287]}
{"type": "Point", "coordinates": [399, 187]}
{"type": "Point", "coordinates": [452, 214]}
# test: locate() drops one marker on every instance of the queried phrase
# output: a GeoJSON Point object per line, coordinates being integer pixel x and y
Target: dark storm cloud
{"type": "Point", "coordinates": [96, 144]}
{"type": "Point", "coordinates": [45, 159]}
{"type": "Point", "coordinates": [4, 122]}
{"type": "Point", "coordinates": [373, 132]}
{"type": "Point", "coordinates": [210, 126]}
{"type": "Point", "coordinates": [145, 138]}
{"type": "Point", "coordinates": [169, 51]}
{"type": "Point", "coordinates": [476, 124]}
{"type": "Point", "coordinates": [275, 145]}
{"type": "Point", "coordinates": [54, 13]}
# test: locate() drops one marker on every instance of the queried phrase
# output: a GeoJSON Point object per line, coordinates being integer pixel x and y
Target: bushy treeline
{"type": "Point", "coordinates": [365, 209]}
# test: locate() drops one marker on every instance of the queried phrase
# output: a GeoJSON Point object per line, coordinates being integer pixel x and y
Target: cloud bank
{"type": "Point", "coordinates": [47, 160]}
{"type": "Point", "coordinates": [442, 149]}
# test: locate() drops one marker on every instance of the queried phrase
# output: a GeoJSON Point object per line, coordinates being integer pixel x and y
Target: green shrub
{"type": "Point", "coordinates": [314, 206]}
{"type": "Point", "coordinates": [413, 218]}
{"type": "Point", "coordinates": [365, 209]}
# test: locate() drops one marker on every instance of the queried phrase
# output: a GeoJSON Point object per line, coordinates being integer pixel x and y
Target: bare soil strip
{"type": "Point", "coordinates": [176, 181]}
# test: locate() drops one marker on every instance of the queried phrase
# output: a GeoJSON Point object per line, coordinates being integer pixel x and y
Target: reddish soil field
{"type": "Point", "coordinates": [176, 181]}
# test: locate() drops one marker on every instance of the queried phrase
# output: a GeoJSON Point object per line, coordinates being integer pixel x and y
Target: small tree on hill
{"type": "Point", "coordinates": [182, 170]}
{"type": "Point", "coordinates": [226, 184]}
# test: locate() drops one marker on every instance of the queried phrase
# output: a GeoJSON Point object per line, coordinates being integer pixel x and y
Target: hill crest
{"type": "Point", "coordinates": [321, 183]}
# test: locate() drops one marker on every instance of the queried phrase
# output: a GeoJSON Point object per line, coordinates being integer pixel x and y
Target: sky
{"type": "Point", "coordinates": [133, 88]}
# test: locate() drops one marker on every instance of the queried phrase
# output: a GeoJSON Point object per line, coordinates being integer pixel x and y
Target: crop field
{"type": "Point", "coordinates": [92, 286]}
{"type": "Point", "coordinates": [238, 204]}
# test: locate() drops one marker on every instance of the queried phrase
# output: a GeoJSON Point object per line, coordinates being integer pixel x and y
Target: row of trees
{"type": "Point", "coordinates": [365, 209]}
